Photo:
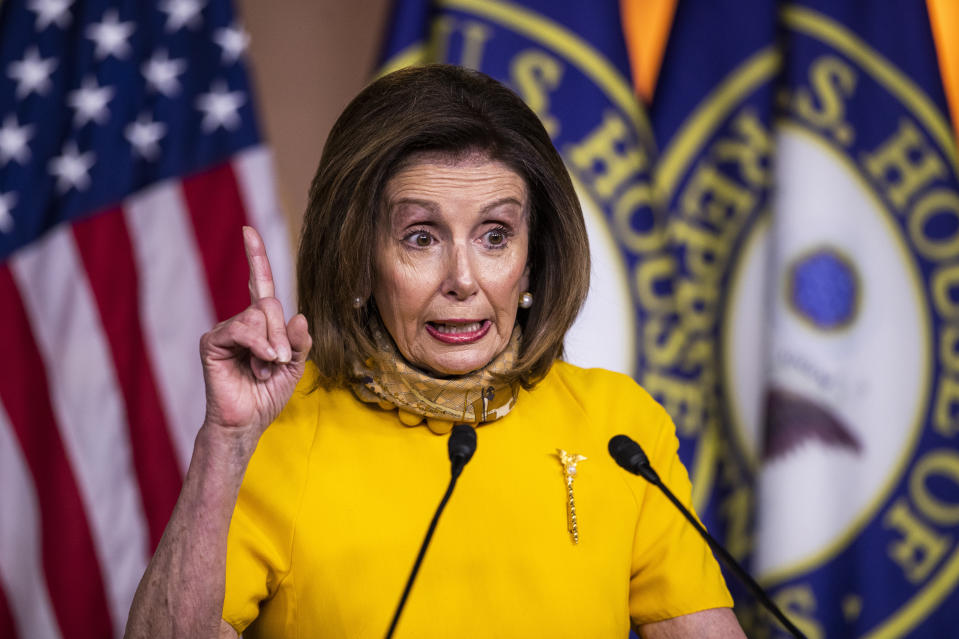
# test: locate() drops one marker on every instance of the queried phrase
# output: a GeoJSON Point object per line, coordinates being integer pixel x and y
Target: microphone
{"type": "Point", "coordinates": [461, 446]}
{"type": "Point", "coordinates": [631, 457]}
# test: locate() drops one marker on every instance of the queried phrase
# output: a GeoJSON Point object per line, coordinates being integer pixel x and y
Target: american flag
{"type": "Point", "coordinates": [129, 159]}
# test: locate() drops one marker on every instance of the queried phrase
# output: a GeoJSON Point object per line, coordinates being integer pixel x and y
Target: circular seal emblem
{"type": "Point", "coordinates": [838, 339]}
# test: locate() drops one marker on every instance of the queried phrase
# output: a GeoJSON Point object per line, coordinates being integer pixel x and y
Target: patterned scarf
{"type": "Point", "coordinates": [476, 398]}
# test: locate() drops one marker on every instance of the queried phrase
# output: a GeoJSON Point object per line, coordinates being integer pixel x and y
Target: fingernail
{"type": "Point", "coordinates": [271, 353]}
{"type": "Point", "coordinates": [285, 355]}
{"type": "Point", "coordinates": [261, 369]}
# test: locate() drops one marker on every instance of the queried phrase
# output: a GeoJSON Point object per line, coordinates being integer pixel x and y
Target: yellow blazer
{"type": "Point", "coordinates": [339, 494]}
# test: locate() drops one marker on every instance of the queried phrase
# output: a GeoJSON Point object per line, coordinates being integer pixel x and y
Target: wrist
{"type": "Point", "coordinates": [225, 450]}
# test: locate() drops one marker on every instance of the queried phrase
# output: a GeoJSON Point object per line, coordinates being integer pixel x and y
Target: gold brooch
{"type": "Point", "coordinates": [569, 462]}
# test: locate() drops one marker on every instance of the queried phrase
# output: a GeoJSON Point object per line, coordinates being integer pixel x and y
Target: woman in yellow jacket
{"type": "Point", "coordinates": [443, 258]}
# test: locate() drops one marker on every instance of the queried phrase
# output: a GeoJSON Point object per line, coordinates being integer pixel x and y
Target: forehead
{"type": "Point", "coordinates": [438, 178]}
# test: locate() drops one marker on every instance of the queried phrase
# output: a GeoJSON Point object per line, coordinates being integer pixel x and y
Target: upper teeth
{"type": "Point", "coordinates": [454, 329]}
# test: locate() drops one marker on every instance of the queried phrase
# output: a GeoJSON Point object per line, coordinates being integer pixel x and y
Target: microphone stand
{"type": "Point", "coordinates": [631, 457]}
{"type": "Point", "coordinates": [462, 443]}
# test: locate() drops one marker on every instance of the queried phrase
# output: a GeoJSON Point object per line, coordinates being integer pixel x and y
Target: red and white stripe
{"type": "Point", "coordinates": [254, 172]}
{"type": "Point", "coordinates": [101, 392]}
{"type": "Point", "coordinates": [168, 260]}
{"type": "Point", "coordinates": [21, 558]}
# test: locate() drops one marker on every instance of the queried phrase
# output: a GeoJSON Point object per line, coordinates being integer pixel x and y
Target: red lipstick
{"type": "Point", "coordinates": [458, 331]}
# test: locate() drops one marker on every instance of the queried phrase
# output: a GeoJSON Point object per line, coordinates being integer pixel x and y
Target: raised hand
{"type": "Point", "coordinates": [251, 364]}
{"type": "Point", "coordinates": [252, 361]}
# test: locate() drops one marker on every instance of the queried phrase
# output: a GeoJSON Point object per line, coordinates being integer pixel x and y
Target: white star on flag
{"type": "Point", "coordinates": [161, 73]}
{"type": "Point", "coordinates": [233, 40]}
{"type": "Point", "coordinates": [50, 12]}
{"type": "Point", "coordinates": [32, 73]}
{"type": "Point", "coordinates": [182, 12]}
{"type": "Point", "coordinates": [111, 36]}
{"type": "Point", "coordinates": [90, 102]}
{"type": "Point", "coordinates": [72, 168]}
{"type": "Point", "coordinates": [13, 141]}
{"type": "Point", "coordinates": [144, 135]}
{"type": "Point", "coordinates": [7, 200]}
{"type": "Point", "coordinates": [220, 107]}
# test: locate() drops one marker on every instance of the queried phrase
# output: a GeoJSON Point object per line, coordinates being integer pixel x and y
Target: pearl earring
{"type": "Point", "coordinates": [358, 302]}
{"type": "Point", "coordinates": [526, 300]}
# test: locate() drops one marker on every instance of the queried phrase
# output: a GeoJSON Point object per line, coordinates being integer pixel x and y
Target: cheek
{"type": "Point", "coordinates": [507, 284]}
{"type": "Point", "coordinates": [402, 288]}
{"type": "Point", "coordinates": [524, 281]}
{"type": "Point", "coordinates": [523, 257]}
{"type": "Point", "coordinates": [411, 279]}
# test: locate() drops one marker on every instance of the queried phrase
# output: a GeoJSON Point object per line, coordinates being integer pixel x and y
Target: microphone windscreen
{"type": "Point", "coordinates": [462, 444]}
{"type": "Point", "coordinates": [628, 454]}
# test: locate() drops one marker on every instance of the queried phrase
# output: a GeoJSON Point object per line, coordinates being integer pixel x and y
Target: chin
{"type": "Point", "coordinates": [453, 371]}
{"type": "Point", "coordinates": [446, 367]}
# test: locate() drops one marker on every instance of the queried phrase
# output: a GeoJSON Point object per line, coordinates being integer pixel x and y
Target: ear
{"type": "Point", "coordinates": [524, 280]}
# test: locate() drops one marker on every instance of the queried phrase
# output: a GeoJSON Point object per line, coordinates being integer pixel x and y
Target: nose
{"type": "Point", "coordinates": [460, 276]}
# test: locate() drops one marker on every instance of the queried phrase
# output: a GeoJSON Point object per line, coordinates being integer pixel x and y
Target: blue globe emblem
{"type": "Point", "coordinates": [824, 289]}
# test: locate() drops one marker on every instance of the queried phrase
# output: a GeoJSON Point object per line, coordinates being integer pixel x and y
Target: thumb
{"type": "Point", "coordinates": [298, 332]}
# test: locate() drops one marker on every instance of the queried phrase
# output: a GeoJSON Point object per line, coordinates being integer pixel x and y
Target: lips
{"type": "Point", "coordinates": [458, 331]}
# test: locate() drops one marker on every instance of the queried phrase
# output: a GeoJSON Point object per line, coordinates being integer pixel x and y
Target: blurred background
{"type": "Point", "coordinates": [771, 194]}
{"type": "Point", "coordinates": [308, 60]}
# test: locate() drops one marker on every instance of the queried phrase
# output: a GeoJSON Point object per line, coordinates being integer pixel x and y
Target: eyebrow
{"type": "Point", "coordinates": [432, 208]}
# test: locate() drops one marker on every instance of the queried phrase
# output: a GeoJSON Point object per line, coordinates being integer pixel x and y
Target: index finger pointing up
{"type": "Point", "coordinates": [261, 277]}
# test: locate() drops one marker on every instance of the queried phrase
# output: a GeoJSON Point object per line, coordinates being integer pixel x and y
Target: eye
{"type": "Point", "coordinates": [419, 239]}
{"type": "Point", "coordinates": [497, 238]}
{"type": "Point", "coordinates": [422, 239]}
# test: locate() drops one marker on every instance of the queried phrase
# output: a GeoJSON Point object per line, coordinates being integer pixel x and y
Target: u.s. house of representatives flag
{"type": "Point", "coordinates": [808, 158]}
{"type": "Point", "coordinates": [777, 252]}
{"type": "Point", "coordinates": [129, 159]}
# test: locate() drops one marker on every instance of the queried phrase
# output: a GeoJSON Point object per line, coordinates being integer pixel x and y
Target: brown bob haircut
{"type": "Point", "coordinates": [433, 109]}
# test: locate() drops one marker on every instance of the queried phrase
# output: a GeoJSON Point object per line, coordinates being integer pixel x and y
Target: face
{"type": "Point", "coordinates": [451, 261]}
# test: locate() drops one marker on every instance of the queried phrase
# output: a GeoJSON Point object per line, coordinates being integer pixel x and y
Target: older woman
{"type": "Point", "coordinates": [442, 260]}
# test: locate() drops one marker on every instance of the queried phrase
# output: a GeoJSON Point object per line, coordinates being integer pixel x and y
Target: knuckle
{"type": "Point", "coordinates": [208, 339]}
{"type": "Point", "coordinates": [239, 331]}
{"type": "Point", "coordinates": [253, 316]}
{"type": "Point", "coordinates": [269, 305]}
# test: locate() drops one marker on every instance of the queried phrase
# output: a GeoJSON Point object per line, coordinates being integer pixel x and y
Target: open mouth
{"type": "Point", "coordinates": [458, 331]}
